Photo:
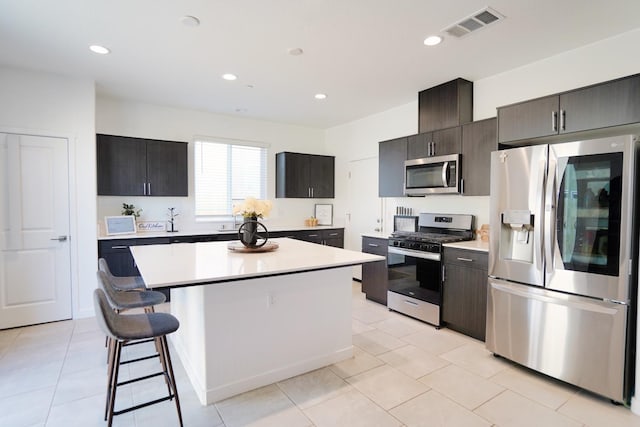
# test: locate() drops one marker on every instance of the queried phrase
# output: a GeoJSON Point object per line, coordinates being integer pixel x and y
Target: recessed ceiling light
{"type": "Point", "coordinates": [432, 40]}
{"type": "Point", "coordinates": [295, 51]}
{"type": "Point", "coordinates": [96, 48]}
{"type": "Point", "coordinates": [320, 96]}
{"type": "Point", "coordinates": [229, 76]}
{"type": "Point", "coordinates": [190, 21]}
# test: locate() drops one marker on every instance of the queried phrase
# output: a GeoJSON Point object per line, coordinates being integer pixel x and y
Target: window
{"type": "Point", "coordinates": [227, 173]}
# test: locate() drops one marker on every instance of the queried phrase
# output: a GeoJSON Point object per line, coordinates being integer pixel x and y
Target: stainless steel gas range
{"type": "Point", "coordinates": [415, 270]}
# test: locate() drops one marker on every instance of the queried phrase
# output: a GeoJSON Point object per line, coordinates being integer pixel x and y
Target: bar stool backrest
{"type": "Point", "coordinates": [105, 315]}
{"type": "Point", "coordinates": [103, 266]}
{"type": "Point", "coordinates": [107, 287]}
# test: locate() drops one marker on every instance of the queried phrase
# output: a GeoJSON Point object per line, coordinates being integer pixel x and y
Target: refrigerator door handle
{"type": "Point", "coordinates": [549, 213]}
{"type": "Point", "coordinates": [539, 217]}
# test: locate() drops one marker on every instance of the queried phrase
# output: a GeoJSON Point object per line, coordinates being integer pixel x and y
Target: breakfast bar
{"type": "Point", "coordinates": [250, 319]}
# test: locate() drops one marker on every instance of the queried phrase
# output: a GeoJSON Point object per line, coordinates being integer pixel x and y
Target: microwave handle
{"type": "Point", "coordinates": [445, 174]}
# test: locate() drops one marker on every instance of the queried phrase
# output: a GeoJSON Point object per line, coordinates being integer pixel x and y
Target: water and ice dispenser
{"type": "Point", "coordinates": [517, 236]}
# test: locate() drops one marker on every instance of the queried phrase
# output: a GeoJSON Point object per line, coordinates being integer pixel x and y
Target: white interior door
{"type": "Point", "coordinates": [364, 210]}
{"type": "Point", "coordinates": [35, 261]}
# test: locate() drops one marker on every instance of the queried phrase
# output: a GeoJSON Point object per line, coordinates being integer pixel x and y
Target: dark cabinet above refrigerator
{"type": "Point", "coordinates": [604, 105]}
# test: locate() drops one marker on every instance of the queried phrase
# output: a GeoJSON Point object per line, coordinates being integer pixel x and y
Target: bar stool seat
{"type": "Point", "coordinates": [126, 283]}
{"type": "Point", "coordinates": [121, 328]}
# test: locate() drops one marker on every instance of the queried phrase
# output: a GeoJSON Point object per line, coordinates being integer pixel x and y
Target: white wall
{"type": "Point", "coordinates": [47, 104]}
{"type": "Point", "coordinates": [119, 117]}
{"type": "Point", "coordinates": [601, 61]}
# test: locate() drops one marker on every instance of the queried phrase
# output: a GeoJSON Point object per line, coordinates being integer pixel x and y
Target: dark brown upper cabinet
{"type": "Point", "coordinates": [305, 176]}
{"type": "Point", "coordinates": [141, 167]}
{"type": "Point", "coordinates": [436, 143]}
{"type": "Point", "coordinates": [446, 105]}
{"type": "Point", "coordinates": [603, 105]}
{"type": "Point", "coordinates": [479, 139]}
{"type": "Point", "coordinates": [391, 157]}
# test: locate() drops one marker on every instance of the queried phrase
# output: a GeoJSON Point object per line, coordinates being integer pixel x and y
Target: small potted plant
{"type": "Point", "coordinates": [131, 210]}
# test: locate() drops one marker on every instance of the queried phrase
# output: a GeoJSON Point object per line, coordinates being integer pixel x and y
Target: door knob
{"type": "Point", "coordinates": [60, 238]}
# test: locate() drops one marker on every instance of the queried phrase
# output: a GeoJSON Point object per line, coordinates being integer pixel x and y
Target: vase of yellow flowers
{"type": "Point", "coordinates": [252, 233]}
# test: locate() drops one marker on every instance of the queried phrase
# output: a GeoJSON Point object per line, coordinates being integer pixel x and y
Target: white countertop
{"type": "Point", "coordinates": [472, 245]}
{"type": "Point", "coordinates": [142, 235]}
{"type": "Point", "coordinates": [210, 262]}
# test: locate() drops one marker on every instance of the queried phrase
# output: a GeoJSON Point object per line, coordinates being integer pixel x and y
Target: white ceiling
{"type": "Point", "coordinates": [366, 55]}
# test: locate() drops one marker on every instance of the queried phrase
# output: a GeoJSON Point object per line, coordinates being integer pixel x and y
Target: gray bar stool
{"type": "Point", "coordinates": [126, 283]}
{"type": "Point", "coordinates": [121, 328]}
{"type": "Point", "coordinates": [123, 300]}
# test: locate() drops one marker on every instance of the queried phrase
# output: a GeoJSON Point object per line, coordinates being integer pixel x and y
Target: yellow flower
{"type": "Point", "coordinates": [253, 207]}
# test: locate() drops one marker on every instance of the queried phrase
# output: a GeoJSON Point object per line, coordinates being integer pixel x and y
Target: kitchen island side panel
{"type": "Point", "coordinates": [238, 336]}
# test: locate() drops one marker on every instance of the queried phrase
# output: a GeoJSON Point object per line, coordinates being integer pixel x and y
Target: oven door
{"type": "Point", "coordinates": [416, 274]}
{"type": "Point", "coordinates": [415, 286]}
{"type": "Point", "coordinates": [432, 175]}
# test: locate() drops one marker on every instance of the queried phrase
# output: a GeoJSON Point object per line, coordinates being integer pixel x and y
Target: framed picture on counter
{"type": "Point", "coordinates": [125, 224]}
{"type": "Point", "coordinates": [324, 214]}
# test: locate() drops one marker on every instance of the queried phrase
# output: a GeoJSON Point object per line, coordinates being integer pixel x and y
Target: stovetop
{"type": "Point", "coordinates": [417, 236]}
{"type": "Point", "coordinates": [434, 230]}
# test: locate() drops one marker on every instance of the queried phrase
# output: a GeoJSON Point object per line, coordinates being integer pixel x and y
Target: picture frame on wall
{"type": "Point", "coordinates": [125, 224]}
{"type": "Point", "coordinates": [324, 214]}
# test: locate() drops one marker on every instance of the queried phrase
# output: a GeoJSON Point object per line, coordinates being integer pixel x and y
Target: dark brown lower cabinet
{"type": "Point", "coordinates": [329, 237]}
{"type": "Point", "coordinates": [464, 300]}
{"type": "Point", "coordinates": [374, 274]}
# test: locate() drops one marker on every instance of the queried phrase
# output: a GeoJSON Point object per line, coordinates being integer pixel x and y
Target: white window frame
{"type": "Point", "coordinates": [230, 142]}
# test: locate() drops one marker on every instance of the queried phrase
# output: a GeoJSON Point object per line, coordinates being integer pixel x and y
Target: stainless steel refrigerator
{"type": "Point", "coordinates": [562, 261]}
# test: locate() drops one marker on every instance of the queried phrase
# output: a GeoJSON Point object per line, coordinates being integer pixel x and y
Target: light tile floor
{"type": "Point", "coordinates": [403, 373]}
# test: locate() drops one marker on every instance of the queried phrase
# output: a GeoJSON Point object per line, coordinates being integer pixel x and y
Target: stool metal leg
{"type": "Point", "coordinates": [163, 362]}
{"type": "Point", "coordinates": [172, 378]}
{"type": "Point", "coordinates": [114, 381]}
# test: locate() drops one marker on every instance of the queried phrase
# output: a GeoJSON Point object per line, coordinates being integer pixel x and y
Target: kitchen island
{"type": "Point", "coordinates": [251, 319]}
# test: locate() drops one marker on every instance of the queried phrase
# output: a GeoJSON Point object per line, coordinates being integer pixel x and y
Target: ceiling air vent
{"type": "Point", "coordinates": [476, 21]}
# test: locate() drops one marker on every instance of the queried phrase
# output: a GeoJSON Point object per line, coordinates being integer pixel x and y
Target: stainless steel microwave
{"type": "Point", "coordinates": [432, 175]}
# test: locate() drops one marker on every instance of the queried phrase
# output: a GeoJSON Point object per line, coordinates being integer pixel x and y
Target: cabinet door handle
{"type": "Point", "coordinates": [433, 151]}
{"type": "Point", "coordinates": [415, 304]}
{"type": "Point", "coordinates": [333, 234]}
{"type": "Point", "coordinates": [313, 235]}
{"type": "Point", "coordinates": [465, 259]}
{"type": "Point", "coordinates": [149, 186]}
{"type": "Point", "coordinates": [373, 245]}
{"type": "Point", "coordinates": [562, 120]}
{"type": "Point", "coordinates": [144, 188]}
{"type": "Point", "coordinates": [462, 186]}
{"type": "Point", "coordinates": [119, 247]}
{"type": "Point", "coordinates": [554, 121]}
{"type": "Point", "coordinates": [312, 191]}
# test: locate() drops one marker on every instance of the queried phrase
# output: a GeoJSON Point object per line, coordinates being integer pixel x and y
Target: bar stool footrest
{"type": "Point", "coordinates": [146, 377]}
{"type": "Point", "coordinates": [143, 405]}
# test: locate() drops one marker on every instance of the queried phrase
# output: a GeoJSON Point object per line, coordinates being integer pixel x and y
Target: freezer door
{"type": "Point", "coordinates": [589, 211]}
{"type": "Point", "coordinates": [575, 339]}
{"type": "Point", "coordinates": [517, 214]}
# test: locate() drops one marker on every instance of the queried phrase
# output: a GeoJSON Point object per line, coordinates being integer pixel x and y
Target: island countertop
{"type": "Point", "coordinates": [181, 264]}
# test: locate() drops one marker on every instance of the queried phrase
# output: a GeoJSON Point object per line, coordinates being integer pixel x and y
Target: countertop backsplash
{"type": "Point", "coordinates": [285, 212]}
{"type": "Point", "coordinates": [478, 206]}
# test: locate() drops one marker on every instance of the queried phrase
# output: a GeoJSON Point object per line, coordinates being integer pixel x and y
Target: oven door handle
{"type": "Point", "coordinates": [415, 254]}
